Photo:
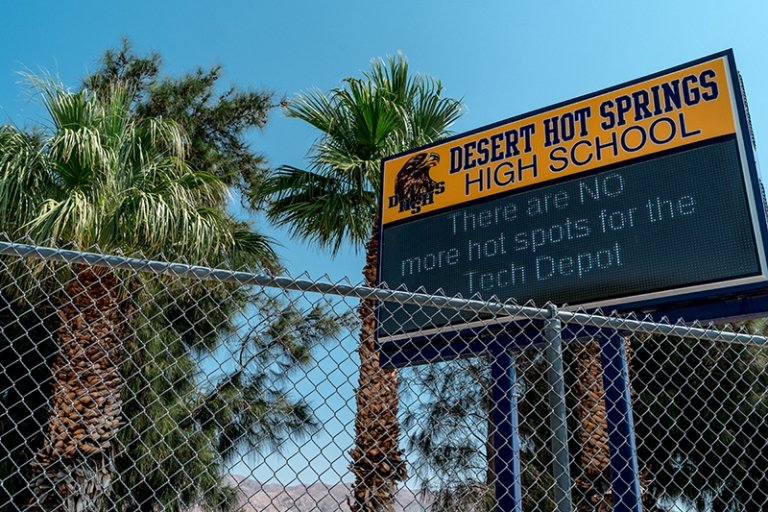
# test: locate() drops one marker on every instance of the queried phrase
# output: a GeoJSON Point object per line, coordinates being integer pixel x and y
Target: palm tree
{"type": "Point", "coordinates": [97, 176]}
{"type": "Point", "coordinates": [386, 112]}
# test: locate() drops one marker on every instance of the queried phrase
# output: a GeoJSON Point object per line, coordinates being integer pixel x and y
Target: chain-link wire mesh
{"type": "Point", "coordinates": [128, 384]}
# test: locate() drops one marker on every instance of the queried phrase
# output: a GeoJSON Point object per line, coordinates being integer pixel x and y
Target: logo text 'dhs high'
{"type": "Point", "coordinates": [414, 187]}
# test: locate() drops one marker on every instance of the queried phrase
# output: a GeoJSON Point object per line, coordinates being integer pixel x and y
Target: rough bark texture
{"type": "Point", "coordinates": [594, 483]}
{"type": "Point", "coordinates": [377, 462]}
{"type": "Point", "coordinates": [594, 459]}
{"type": "Point", "coordinates": [75, 466]}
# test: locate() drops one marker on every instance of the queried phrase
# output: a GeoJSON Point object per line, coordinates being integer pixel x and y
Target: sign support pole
{"type": "Point", "coordinates": [621, 428]}
{"type": "Point", "coordinates": [557, 412]}
{"type": "Point", "coordinates": [506, 438]}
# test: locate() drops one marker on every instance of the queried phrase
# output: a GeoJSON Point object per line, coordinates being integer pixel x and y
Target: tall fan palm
{"type": "Point", "coordinates": [386, 112]}
{"type": "Point", "coordinates": [98, 176]}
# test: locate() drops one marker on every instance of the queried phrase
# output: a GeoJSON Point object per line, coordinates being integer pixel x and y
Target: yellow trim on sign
{"type": "Point", "coordinates": [674, 110]}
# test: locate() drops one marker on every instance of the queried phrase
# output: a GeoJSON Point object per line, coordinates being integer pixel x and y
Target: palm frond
{"type": "Point", "coordinates": [68, 110]}
{"type": "Point", "coordinates": [322, 209]}
{"type": "Point", "coordinates": [22, 177]}
{"type": "Point", "coordinates": [391, 76]}
{"type": "Point", "coordinates": [372, 117]}
{"type": "Point", "coordinates": [68, 221]}
{"type": "Point", "coordinates": [388, 111]}
{"type": "Point", "coordinates": [165, 136]}
{"type": "Point", "coordinates": [317, 109]}
{"type": "Point", "coordinates": [102, 175]}
{"type": "Point", "coordinates": [251, 248]}
{"type": "Point", "coordinates": [80, 156]}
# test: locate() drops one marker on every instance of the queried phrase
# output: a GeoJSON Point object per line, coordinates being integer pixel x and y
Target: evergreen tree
{"type": "Point", "coordinates": [449, 427]}
{"type": "Point", "coordinates": [186, 426]}
{"type": "Point", "coordinates": [217, 121]}
{"type": "Point", "coordinates": [701, 419]}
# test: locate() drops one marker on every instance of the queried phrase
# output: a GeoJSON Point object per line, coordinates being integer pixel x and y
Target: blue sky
{"type": "Point", "coordinates": [503, 58]}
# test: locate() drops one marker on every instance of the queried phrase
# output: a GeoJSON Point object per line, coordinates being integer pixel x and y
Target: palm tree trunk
{"type": "Point", "coordinates": [594, 482]}
{"type": "Point", "coordinates": [595, 479]}
{"type": "Point", "coordinates": [377, 462]}
{"type": "Point", "coordinates": [75, 466]}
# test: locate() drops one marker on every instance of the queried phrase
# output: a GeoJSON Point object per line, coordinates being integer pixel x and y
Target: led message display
{"type": "Point", "coordinates": [636, 192]}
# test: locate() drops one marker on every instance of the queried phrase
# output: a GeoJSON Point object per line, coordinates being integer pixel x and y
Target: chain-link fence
{"type": "Point", "coordinates": [128, 384]}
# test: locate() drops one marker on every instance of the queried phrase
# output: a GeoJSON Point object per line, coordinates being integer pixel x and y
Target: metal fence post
{"type": "Point", "coordinates": [557, 412]}
{"type": "Point", "coordinates": [621, 428]}
{"type": "Point", "coordinates": [506, 438]}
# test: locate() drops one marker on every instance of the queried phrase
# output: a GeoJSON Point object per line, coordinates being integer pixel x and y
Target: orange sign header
{"type": "Point", "coordinates": [670, 111]}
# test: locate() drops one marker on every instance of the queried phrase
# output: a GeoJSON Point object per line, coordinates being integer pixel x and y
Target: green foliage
{"type": "Point", "coordinates": [386, 112]}
{"type": "Point", "coordinates": [165, 462]}
{"type": "Point", "coordinates": [217, 123]}
{"type": "Point", "coordinates": [450, 433]}
{"type": "Point", "coordinates": [364, 120]}
{"type": "Point", "coordinates": [700, 412]}
{"type": "Point", "coordinates": [102, 176]}
{"type": "Point", "coordinates": [97, 175]}
{"type": "Point", "coordinates": [113, 169]}
{"type": "Point", "coordinates": [187, 424]}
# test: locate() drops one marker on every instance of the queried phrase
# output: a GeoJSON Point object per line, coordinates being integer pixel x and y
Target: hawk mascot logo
{"type": "Point", "coordinates": [414, 187]}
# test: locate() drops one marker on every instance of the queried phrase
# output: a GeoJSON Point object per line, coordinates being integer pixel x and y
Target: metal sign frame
{"type": "Point", "coordinates": [702, 301]}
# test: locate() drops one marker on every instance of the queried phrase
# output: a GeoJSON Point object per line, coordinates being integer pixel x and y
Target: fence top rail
{"type": "Point", "coordinates": [509, 311]}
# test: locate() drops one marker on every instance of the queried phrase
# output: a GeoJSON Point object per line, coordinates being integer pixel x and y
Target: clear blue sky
{"type": "Point", "coordinates": [502, 57]}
